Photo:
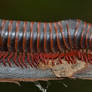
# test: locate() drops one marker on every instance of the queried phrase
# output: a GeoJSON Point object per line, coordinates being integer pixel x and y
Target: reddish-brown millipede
{"type": "Point", "coordinates": [27, 43]}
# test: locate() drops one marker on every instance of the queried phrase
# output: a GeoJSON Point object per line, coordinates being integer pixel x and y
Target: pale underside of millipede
{"type": "Point", "coordinates": [31, 51]}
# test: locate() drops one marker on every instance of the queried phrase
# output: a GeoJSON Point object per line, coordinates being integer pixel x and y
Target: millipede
{"type": "Point", "coordinates": [26, 43]}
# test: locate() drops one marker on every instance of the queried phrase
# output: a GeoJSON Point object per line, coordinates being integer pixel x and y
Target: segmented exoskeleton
{"type": "Point", "coordinates": [27, 43]}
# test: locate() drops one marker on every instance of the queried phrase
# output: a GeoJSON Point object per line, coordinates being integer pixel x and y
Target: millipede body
{"type": "Point", "coordinates": [26, 44]}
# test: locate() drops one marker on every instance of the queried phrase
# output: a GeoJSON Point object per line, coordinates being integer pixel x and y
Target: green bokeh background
{"type": "Point", "coordinates": [47, 10]}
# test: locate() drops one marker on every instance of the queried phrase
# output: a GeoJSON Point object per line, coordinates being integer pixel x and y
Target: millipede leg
{"type": "Point", "coordinates": [14, 59]}
{"type": "Point", "coordinates": [8, 59]}
{"type": "Point", "coordinates": [28, 60]}
{"type": "Point", "coordinates": [4, 56]}
{"type": "Point", "coordinates": [33, 63]}
{"type": "Point", "coordinates": [19, 60]}
{"type": "Point", "coordinates": [23, 59]}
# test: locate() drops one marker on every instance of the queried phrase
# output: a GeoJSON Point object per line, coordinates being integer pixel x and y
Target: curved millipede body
{"type": "Point", "coordinates": [25, 43]}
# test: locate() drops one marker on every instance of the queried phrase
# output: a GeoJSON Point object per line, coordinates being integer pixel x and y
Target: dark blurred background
{"type": "Point", "coordinates": [47, 10]}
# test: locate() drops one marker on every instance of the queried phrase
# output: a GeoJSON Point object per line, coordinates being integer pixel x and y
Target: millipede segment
{"type": "Point", "coordinates": [25, 44]}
